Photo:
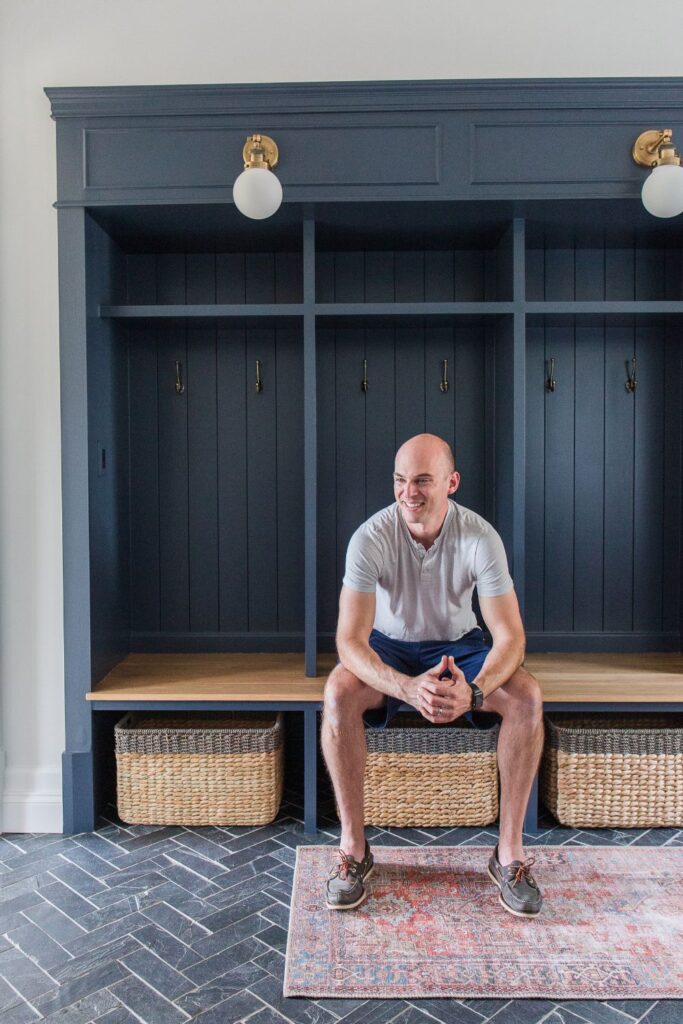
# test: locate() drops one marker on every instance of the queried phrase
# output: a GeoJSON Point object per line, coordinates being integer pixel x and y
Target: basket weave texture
{"type": "Point", "coordinates": [419, 774]}
{"type": "Point", "coordinates": [224, 768]}
{"type": "Point", "coordinates": [614, 771]}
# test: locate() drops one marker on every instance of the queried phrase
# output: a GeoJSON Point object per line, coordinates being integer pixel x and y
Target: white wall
{"type": "Point", "coordinates": [131, 42]}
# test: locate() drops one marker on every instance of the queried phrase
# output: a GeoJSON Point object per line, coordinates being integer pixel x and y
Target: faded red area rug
{"type": "Point", "coordinates": [611, 927]}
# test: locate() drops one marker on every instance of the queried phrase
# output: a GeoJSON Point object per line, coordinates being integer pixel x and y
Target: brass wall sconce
{"type": "Point", "coordinates": [662, 193]}
{"type": "Point", "coordinates": [257, 192]}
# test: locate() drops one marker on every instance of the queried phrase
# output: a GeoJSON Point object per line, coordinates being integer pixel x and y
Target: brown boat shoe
{"type": "Point", "coordinates": [345, 886]}
{"type": "Point", "coordinates": [519, 891]}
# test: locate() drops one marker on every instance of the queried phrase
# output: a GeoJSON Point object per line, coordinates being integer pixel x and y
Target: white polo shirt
{"type": "Point", "coordinates": [426, 595]}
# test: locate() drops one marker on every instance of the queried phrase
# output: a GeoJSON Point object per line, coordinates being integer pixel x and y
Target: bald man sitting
{"type": "Point", "coordinates": [407, 634]}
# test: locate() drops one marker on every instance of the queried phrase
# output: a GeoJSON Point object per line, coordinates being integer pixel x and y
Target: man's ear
{"type": "Point", "coordinates": [453, 482]}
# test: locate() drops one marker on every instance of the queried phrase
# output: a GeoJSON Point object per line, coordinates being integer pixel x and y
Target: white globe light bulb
{"type": "Point", "coordinates": [257, 193]}
{"type": "Point", "coordinates": [663, 191]}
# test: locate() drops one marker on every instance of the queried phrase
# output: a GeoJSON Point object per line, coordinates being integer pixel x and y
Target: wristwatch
{"type": "Point", "coordinates": [477, 696]}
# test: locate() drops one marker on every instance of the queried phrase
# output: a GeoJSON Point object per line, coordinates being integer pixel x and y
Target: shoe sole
{"type": "Point", "coordinates": [351, 906]}
{"type": "Point", "coordinates": [517, 913]}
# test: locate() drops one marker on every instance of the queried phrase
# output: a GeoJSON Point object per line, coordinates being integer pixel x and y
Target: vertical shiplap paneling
{"type": "Point", "coordinates": [467, 385]}
{"type": "Point", "coordinates": [349, 277]}
{"type": "Point", "coordinates": [619, 450]}
{"type": "Point", "coordinates": [648, 484]}
{"type": "Point", "coordinates": [289, 284]}
{"type": "Point", "coordinates": [262, 504]}
{"type": "Point", "coordinates": [409, 270]}
{"type": "Point", "coordinates": [439, 405]}
{"type": "Point", "coordinates": [589, 275]}
{"type": "Point", "coordinates": [649, 272]}
{"type": "Point", "coordinates": [290, 479]}
{"type": "Point", "coordinates": [203, 478]}
{"type": "Point", "coordinates": [144, 482]}
{"type": "Point", "coordinates": [559, 275]}
{"type": "Point", "coordinates": [379, 277]}
{"type": "Point", "coordinates": [230, 278]}
{"type": "Point", "coordinates": [504, 414]}
{"type": "Point", "coordinates": [619, 274]}
{"type": "Point", "coordinates": [589, 457]}
{"type": "Point", "coordinates": [141, 278]}
{"type": "Point", "coordinates": [350, 429]}
{"type": "Point", "coordinates": [200, 269]}
{"type": "Point", "coordinates": [535, 275]}
{"type": "Point", "coordinates": [672, 565]}
{"type": "Point", "coordinates": [410, 382]}
{"type": "Point", "coordinates": [173, 483]}
{"type": "Point", "coordinates": [439, 276]}
{"type": "Point", "coordinates": [380, 418]}
{"type": "Point", "coordinates": [469, 277]}
{"type": "Point", "coordinates": [259, 277]}
{"type": "Point", "coordinates": [327, 481]}
{"type": "Point", "coordinates": [673, 274]}
{"type": "Point", "coordinates": [233, 538]}
{"type": "Point", "coordinates": [558, 581]}
{"type": "Point", "coordinates": [535, 476]}
{"type": "Point", "coordinates": [324, 277]}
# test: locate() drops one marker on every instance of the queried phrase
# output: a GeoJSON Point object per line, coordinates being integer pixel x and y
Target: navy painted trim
{"type": "Point", "coordinates": [462, 94]}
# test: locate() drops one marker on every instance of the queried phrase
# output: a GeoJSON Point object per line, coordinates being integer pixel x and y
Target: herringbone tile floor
{"type": "Point", "coordinates": [167, 924]}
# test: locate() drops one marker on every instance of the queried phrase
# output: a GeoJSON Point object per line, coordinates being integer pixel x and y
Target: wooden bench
{"type": "Point", "coordinates": [201, 682]}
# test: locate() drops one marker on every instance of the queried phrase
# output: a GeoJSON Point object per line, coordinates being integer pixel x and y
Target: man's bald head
{"type": "Point", "coordinates": [428, 448]}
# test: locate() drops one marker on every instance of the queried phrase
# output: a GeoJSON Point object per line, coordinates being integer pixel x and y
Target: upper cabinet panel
{"type": "Point", "coordinates": [362, 141]}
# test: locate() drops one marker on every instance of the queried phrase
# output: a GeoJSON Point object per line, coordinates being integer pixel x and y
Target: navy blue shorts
{"type": "Point", "coordinates": [415, 657]}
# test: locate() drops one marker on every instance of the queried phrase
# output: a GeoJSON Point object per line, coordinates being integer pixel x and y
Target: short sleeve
{"type": "Point", "coordinates": [491, 575]}
{"type": "Point", "coordinates": [363, 561]}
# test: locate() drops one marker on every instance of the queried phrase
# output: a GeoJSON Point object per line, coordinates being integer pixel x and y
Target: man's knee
{"type": "Point", "coordinates": [521, 696]}
{"type": "Point", "coordinates": [346, 693]}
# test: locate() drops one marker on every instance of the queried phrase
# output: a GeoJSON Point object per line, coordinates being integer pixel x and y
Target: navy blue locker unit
{"type": "Point", "coordinates": [450, 269]}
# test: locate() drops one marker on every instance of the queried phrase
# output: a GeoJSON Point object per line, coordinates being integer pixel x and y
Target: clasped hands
{"type": "Point", "coordinates": [441, 700]}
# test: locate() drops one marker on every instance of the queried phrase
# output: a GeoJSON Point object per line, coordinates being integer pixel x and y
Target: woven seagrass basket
{"type": "Point", "coordinates": [614, 771]}
{"type": "Point", "coordinates": [208, 768]}
{"type": "Point", "coordinates": [421, 774]}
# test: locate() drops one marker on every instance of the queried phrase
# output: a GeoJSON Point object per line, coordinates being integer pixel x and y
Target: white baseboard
{"type": "Point", "coordinates": [30, 799]}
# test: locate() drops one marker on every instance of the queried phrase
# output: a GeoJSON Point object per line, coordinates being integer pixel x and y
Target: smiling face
{"type": "Point", "coordinates": [424, 476]}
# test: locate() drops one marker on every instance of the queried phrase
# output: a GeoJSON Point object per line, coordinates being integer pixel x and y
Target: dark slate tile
{"type": "Point", "coordinates": [593, 1011]}
{"type": "Point", "coordinates": [294, 839]}
{"type": "Point", "coordinates": [89, 861]}
{"type": "Point", "coordinates": [666, 1011]}
{"type": "Point", "coordinates": [376, 1011]}
{"type": "Point", "coordinates": [156, 973]}
{"type": "Point", "coordinates": [242, 929]}
{"type": "Point", "coordinates": [215, 966]}
{"type": "Point", "coordinates": [94, 958]}
{"type": "Point", "coordinates": [54, 923]}
{"type": "Point", "coordinates": [169, 949]}
{"type": "Point", "coordinates": [276, 913]}
{"type": "Point", "coordinates": [275, 937]}
{"type": "Point", "coordinates": [8, 997]}
{"type": "Point", "coordinates": [253, 836]}
{"type": "Point", "coordinates": [33, 942]}
{"type": "Point", "coordinates": [96, 844]}
{"type": "Point", "coordinates": [128, 845]}
{"type": "Point", "coordinates": [207, 869]}
{"type": "Point", "coordinates": [281, 893]}
{"type": "Point", "coordinates": [177, 923]}
{"type": "Point", "coordinates": [454, 837]}
{"type": "Point", "coordinates": [37, 848]}
{"type": "Point", "coordinates": [188, 880]}
{"type": "Point", "coordinates": [486, 1007]}
{"type": "Point", "coordinates": [20, 1013]}
{"type": "Point", "coordinates": [147, 1004]}
{"type": "Point", "coordinates": [656, 837]}
{"type": "Point", "coordinates": [106, 933]}
{"type": "Point", "coordinates": [273, 962]}
{"type": "Point", "coordinates": [283, 873]}
{"type": "Point", "coordinates": [76, 989]}
{"type": "Point", "coordinates": [341, 1007]}
{"type": "Point", "coordinates": [139, 861]}
{"type": "Point", "coordinates": [86, 1009]}
{"type": "Point", "coordinates": [235, 1008]}
{"type": "Point", "coordinates": [526, 1011]}
{"type": "Point", "coordinates": [167, 892]}
{"type": "Point", "coordinates": [129, 885]}
{"type": "Point", "coordinates": [202, 847]}
{"type": "Point", "coordinates": [449, 1011]}
{"type": "Point", "coordinates": [221, 988]}
{"type": "Point", "coordinates": [285, 855]}
{"type": "Point", "coordinates": [301, 1011]}
{"type": "Point", "coordinates": [28, 868]}
{"type": "Point", "coordinates": [227, 897]}
{"type": "Point", "coordinates": [634, 1007]}
{"type": "Point", "coordinates": [251, 853]}
{"type": "Point", "coordinates": [25, 976]}
{"type": "Point", "coordinates": [118, 1016]}
{"type": "Point", "coordinates": [243, 908]}
{"type": "Point", "coordinates": [269, 1016]}
{"type": "Point", "coordinates": [411, 1015]}
{"type": "Point", "coordinates": [66, 900]}
{"type": "Point", "coordinates": [76, 878]}
{"type": "Point", "coordinates": [23, 902]}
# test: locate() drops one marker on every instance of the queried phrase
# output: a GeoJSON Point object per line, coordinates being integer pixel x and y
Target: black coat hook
{"type": "Point", "coordinates": [550, 379]}
{"type": "Point", "coordinates": [364, 382]}
{"type": "Point", "coordinates": [179, 386]}
{"type": "Point", "coordinates": [259, 382]}
{"type": "Point", "coordinates": [444, 376]}
{"type": "Point", "coordinates": [631, 383]}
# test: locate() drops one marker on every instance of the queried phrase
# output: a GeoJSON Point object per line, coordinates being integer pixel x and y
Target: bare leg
{"type": "Point", "coordinates": [520, 745]}
{"type": "Point", "coordinates": [344, 749]}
